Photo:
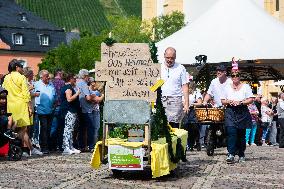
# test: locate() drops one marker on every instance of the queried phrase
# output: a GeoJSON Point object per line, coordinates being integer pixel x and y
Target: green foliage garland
{"type": "Point", "coordinates": [109, 41]}
{"type": "Point", "coordinates": [153, 51]}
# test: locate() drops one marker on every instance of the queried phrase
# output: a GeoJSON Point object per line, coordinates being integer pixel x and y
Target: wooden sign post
{"type": "Point", "coordinates": [128, 70]}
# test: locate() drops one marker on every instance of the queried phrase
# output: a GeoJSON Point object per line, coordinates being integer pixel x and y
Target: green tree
{"type": "Point", "coordinates": [129, 30]}
{"type": "Point", "coordinates": [166, 25]}
{"type": "Point", "coordinates": [71, 58]}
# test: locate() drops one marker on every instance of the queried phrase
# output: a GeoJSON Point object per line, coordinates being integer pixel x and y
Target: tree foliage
{"type": "Point", "coordinates": [168, 24]}
{"type": "Point", "coordinates": [84, 52]}
{"type": "Point", "coordinates": [71, 58]}
{"type": "Point", "coordinates": [129, 30]}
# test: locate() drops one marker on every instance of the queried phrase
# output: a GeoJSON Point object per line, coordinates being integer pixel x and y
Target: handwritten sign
{"type": "Point", "coordinates": [128, 70]}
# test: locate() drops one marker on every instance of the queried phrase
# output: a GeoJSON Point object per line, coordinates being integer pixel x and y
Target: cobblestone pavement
{"type": "Point", "coordinates": [264, 168]}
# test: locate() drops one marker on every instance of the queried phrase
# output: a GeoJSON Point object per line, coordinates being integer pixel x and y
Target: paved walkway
{"type": "Point", "coordinates": [264, 168]}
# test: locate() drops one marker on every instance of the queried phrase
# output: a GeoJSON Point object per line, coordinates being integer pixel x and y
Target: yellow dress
{"type": "Point", "coordinates": [18, 98]}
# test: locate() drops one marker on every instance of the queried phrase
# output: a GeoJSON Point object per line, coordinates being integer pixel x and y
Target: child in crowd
{"type": "Point", "coordinates": [6, 120]}
{"type": "Point", "coordinates": [250, 132]}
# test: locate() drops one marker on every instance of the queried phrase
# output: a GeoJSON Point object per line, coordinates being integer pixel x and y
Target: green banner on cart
{"type": "Point", "coordinates": [125, 158]}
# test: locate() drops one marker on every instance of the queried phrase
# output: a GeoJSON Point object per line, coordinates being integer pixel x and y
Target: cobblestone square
{"type": "Point", "coordinates": [263, 168]}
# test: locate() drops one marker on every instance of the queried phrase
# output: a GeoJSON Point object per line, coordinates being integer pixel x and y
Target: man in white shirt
{"type": "Point", "coordinates": [217, 86]}
{"type": "Point", "coordinates": [175, 86]}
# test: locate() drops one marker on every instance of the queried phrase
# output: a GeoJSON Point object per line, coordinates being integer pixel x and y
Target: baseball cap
{"type": "Point", "coordinates": [221, 68]}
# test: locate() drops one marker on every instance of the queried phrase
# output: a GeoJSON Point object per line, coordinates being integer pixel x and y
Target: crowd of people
{"type": "Point", "coordinates": [249, 119]}
{"type": "Point", "coordinates": [62, 112]}
{"type": "Point", "coordinates": [53, 113]}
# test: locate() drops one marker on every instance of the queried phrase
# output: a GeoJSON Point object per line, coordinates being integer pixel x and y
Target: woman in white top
{"type": "Point", "coordinates": [190, 124]}
{"type": "Point", "coordinates": [266, 119]}
{"type": "Point", "coordinates": [236, 97]}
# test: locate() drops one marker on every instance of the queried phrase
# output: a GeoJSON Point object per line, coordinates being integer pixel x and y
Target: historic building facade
{"type": "Point", "coordinates": [25, 36]}
{"type": "Point", "coordinates": [154, 8]}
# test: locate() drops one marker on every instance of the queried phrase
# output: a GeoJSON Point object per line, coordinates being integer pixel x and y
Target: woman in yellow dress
{"type": "Point", "coordinates": [19, 101]}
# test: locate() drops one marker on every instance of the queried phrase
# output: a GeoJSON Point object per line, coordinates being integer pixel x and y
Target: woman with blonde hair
{"type": "Point", "coordinates": [266, 119]}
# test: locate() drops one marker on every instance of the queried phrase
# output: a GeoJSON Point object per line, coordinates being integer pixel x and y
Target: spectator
{"type": "Point", "coordinates": [273, 128]}
{"type": "Point", "coordinates": [191, 125]}
{"type": "Point", "coordinates": [69, 106]}
{"type": "Point", "coordinates": [280, 110]}
{"type": "Point", "coordinates": [258, 135]}
{"type": "Point", "coordinates": [250, 132]}
{"type": "Point", "coordinates": [88, 120]}
{"type": "Point", "coordinates": [6, 120]}
{"type": "Point", "coordinates": [44, 107]}
{"type": "Point", "coordinates": [34, 130]}
{"type": "Point", "coordinates": [96, 94]}
{"type": "Point", "coordinates": [57, 126]}
{"type": "Point", "coordinates": [266, 119]}
{"type": "Point", "coordinates": [19, 103]}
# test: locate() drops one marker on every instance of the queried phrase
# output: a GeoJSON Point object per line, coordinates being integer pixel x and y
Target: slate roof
{"type": "Point", "coordinates": [10, 22]}
{"type": "Point", "coordinates": [10, 17]}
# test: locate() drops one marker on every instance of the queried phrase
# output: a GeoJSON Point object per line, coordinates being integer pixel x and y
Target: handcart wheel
{"type": "Point", "coordinates": [210, 143]}
{"type": "Point", "coordinates": [116, 173]}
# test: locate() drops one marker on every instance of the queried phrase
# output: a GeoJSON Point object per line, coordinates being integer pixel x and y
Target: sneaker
{"type": "Point", "coordinates": [230, 159]}
{"type": "Point", "coordinates": [45, 151]}
{"type": "Point", "coordinates": [67, 151]}
{"type": "Point", "coordinates": [242, 159]}
{"type": "Point", "coordinates": [247, 144]}
{"type": "Point", "coordinates": [187, 148]}
{"type": "Point", "coordinates": [9, 134]}
{"type": "Point", "coordinates": [36, 152]}
{"type": "Point", "coordinates": [25, 154]}
{"type": "Point", "coordinates": [253, 144]}
{"type": "Point", "coordinates": [264, 144]}
{"type": "Point", "coordinates": [75, 151]}
{"type": "Point", "coordinates": [275, 144]}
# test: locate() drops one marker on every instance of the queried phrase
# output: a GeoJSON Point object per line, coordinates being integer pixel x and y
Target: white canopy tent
{"type": "Point", "coordinates": [230, 28]}
{"type": "Point", "coordinates": [278, 83]}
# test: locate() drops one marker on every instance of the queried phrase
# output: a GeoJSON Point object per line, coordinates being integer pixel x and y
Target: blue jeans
{"type": "Point", "coordinates": [34, 131]}
{"type": "Point", "coordinates": [91, 122]}
{"type": "Point", "coordinates": [236, 141]}
{"type": "Point", "coordinates": [57, 127]}
{"type": "Point", "coordinates": [264, 126]}
{"type": "Point", "coordinates": [250, 133]}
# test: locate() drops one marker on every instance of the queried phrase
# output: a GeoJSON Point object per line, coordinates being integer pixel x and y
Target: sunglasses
{"type": "Point", "coordinates": [235, 75]}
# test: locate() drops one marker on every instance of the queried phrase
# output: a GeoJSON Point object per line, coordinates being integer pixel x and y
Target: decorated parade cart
{"type": "Point", "coordinates": [136, 134]}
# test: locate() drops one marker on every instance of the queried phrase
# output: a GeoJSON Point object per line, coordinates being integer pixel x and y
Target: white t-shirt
{"type": "Point", "coordinates": [174, 78]}
{"type": "Point", "coordinates": [230, 94]}
{"type": "Point", "coordinates": [216, 89]}
{"type": "Point", "coordinates": [264, 116]}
